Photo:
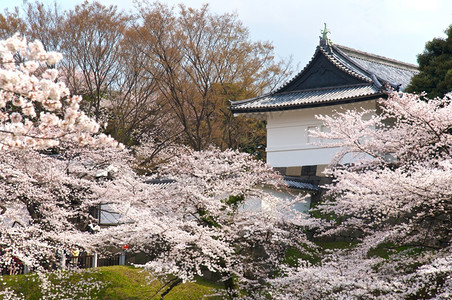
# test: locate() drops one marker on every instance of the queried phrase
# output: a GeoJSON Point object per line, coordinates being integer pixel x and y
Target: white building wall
{"type": "Point", "coordinates": [287, 196]}
{"type": "Point", "coordinates": [288, 143]}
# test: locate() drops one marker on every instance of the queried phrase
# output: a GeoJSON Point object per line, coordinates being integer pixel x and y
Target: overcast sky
{"type": "Point", "coordinates": [396, 29]}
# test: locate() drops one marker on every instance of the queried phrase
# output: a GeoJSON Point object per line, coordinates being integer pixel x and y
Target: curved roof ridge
{"type": "Point", "coordinates": [377, 58]}
{"type": "Point", "coordinates": [345, 68]}
{"type": "Point", "coordinates": [237, 102]}
{"type": "Point", "coordinates": [296, 76]}
{"type": "Point", "coordinates": [377, 80]}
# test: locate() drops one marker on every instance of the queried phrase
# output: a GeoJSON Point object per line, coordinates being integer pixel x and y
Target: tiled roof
{"type": "Point", "coordinates": [301, 185]}
{"type": "Point", "coordinates": [160, 181]}
{"type": "Point", "coordinates": [305, 98]}
{"type": "Point", "coordinates": [392, 71]}
{"type": "Point", "coordinates": [373, 71]}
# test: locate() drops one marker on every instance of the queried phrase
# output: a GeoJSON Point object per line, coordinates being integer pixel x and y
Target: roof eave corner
{"type": "Point", "coordinates": [254, 114]}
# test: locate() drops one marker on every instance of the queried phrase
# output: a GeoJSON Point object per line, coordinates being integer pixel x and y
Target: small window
{"type": "Point", "coordinates": [107, 216]}
{"type": "Point", "coordinates": [312, 139]}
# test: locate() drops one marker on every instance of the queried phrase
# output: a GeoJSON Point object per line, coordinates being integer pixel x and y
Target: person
{"type": "Point", "coordinates": [75, 252]}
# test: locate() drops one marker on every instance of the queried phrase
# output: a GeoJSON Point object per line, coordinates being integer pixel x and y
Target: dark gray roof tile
{"type": "Point", "coordinates": [375, 71]}
{"type": "Point", "coordinates": [301, 185]}
{"type": "Point", "coordinates": [386, 69]}
{"type": "Point", "coordinates": [306, 97]}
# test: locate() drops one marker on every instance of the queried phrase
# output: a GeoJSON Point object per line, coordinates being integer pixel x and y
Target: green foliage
{"type": "Point", "coordinates": [208, 219]}
{"type": "Point", "coordinates": [387, 249]}
{"type": "Point", "coordinates": [311, 255]}
{"type": "Point", "coordinates": [235, 201]}
{"type": "Point", "coordinates": [429, 291]}
{"type": "Point", "coordinates": [435, 66]}
{"type": "Point", "coordinates": [407, 260]}
{"type": "Point", "coordinates": [316, 212]}
{"type": "Point", "coordinates": [293, 255]}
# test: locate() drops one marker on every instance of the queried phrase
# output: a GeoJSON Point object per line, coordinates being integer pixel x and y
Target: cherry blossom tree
{"type": "Point", "coordinates": [403, 179]}
{"type": "Point", "coordinates": [191, 217]}
{"type": "Point", "coordinates": [35, 110]}
{"type": "Point", "coordinates": [46, 199]}
{"type": "Point", "coordinates": [55, 167]}
{"type": "Point", "coordinates": [44, 202]}
{"type": "Point", "coordinates": [195, 220]}
{"type": "Point", "coordinates": [394, 202]}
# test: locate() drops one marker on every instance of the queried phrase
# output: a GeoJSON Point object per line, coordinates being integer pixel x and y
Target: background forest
{"type": "Point", "coordinates": [164, 74]}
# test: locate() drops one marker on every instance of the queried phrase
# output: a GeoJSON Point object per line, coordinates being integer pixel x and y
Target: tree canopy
{"type": "Point", "coordinates": [435, 68]}
{"type": "Point", "coordinates": [43, 204]}
{"type": "Point", "coordinates": [56, 169]}
{"type": "Point", "coordinates": [394, 203]}
{"type": "Point", "coordinates": [166, 71]}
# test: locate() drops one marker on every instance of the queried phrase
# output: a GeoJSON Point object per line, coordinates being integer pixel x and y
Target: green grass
{"type": "Point", "coordinates": [116, 282]}
{"type": "Point", "coordinates": [313, 256]}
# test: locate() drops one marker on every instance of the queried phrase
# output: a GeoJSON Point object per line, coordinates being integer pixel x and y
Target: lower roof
{"type": "Point", "coordinates": [300, 185]}
{"type": "Point", "coordinates": [306, 98]}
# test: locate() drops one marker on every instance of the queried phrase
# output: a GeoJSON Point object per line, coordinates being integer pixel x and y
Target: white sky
{"type": "Point", "coordinates": [396, 29]}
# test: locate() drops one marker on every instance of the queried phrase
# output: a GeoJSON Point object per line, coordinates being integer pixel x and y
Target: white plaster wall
{"type": "Point", "coordinates": [255, 204]}
{"type": "Point", "coordinates": [288, 143]}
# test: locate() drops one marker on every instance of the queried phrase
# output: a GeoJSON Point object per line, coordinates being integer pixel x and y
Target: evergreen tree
{"type": "Point", "coordinates": [435, 66]}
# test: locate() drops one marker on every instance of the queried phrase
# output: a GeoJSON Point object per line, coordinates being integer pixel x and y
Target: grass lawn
{"type": "Point", "coordinates": [115, 282]}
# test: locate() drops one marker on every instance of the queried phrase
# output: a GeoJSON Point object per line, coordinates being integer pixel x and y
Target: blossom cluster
{"type": "Point", "coordinates": [393, 202]}
{"type": "Point", "coordinates": [192, 216]}
{"type": "Point", "coordinates": [36, 111]}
